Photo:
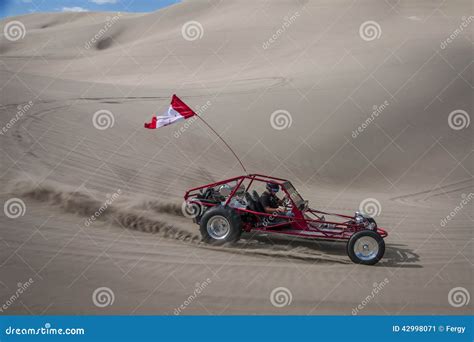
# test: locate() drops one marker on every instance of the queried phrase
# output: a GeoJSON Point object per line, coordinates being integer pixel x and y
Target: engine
{"type": "Point", "coordinates": [365, 220]}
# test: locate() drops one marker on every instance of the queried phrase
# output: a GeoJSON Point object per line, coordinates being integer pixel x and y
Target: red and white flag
{"type": "Point", "coordinates": [178, 111]}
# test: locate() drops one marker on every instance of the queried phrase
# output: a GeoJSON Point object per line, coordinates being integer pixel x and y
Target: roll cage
{"type": "Point", "coordinates": [304, 222]}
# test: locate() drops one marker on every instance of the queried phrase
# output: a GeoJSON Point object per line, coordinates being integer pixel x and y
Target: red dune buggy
{"type": "Point", "coordinates": [227, 208]}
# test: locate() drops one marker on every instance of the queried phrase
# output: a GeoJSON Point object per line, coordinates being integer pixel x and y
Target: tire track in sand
{"type": "Point", "coordinates": [144, 215]}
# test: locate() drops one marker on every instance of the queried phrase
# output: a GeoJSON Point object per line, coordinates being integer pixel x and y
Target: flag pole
{"type": "Point", "coordinates": [230, 148]}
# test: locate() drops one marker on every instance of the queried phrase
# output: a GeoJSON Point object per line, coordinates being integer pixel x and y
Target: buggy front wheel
{"type": "Point", "coordinates": [366, 247]}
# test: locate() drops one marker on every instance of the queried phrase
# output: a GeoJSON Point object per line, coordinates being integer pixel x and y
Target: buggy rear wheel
{"type": "Point", "coordinates": [220, 225]}
{"type": "Point", "coordinates": [366, 247]}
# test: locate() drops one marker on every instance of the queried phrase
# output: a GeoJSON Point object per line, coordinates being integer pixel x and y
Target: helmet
{"type": "Point", "coordinates": [273, 187]}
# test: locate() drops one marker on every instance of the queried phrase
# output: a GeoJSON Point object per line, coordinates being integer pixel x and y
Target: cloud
{"type": "Point", "coordinates": [103, 2]}
{"type": "Point", "coordinates": [74, 9]}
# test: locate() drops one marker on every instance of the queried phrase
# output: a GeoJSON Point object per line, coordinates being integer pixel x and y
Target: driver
{"type": "Point", "coordinates": [270, 202]}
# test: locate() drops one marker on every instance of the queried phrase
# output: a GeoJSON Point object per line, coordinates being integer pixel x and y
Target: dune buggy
{"type": "Point", "coordinates": [225, 209]}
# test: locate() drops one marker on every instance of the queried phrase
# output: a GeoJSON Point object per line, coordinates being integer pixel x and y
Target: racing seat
{"type": "Point", "coordinates": [251, 205]}
{"type": "Point", "coordinates": [258, 204]}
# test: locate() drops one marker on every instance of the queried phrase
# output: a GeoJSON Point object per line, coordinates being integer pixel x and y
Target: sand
{"type": "Point", "coordinates": [358, 119]}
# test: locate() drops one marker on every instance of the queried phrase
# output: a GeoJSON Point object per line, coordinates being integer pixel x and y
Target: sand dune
{"type": "Point", "coordinates": [365, 118]}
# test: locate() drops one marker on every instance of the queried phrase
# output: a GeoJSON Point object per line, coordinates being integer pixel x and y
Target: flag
{"type": "Point", "coordinates": [177, 111]}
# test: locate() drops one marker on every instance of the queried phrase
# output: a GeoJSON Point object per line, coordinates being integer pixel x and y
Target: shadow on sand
{"type": "Point", "coordinates": [396, 255]}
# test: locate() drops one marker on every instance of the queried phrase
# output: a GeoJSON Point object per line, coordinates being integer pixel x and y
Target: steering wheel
{"type": "Point", "coordinates": [303, 206]}
{"type": "Point", "coordinates": [287, 203]}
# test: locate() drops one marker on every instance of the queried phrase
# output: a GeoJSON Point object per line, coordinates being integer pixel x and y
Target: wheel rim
{"type": "Point", "coordinates": [366, 248]}
{"type": "Point", "coordinates": [218, 227]}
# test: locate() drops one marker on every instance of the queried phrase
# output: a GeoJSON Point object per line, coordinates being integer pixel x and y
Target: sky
{"type": "Point", "coordinates": [18, 7]}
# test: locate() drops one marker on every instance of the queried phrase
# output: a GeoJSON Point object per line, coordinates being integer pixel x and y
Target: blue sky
{"type": "Point", "coordinates": [18, 7]}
